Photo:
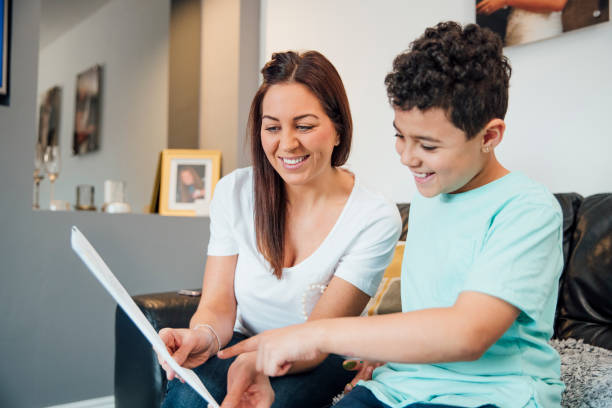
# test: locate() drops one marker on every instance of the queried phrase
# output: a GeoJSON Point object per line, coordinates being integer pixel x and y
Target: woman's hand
{"type": "Point", "coordinates": [364, 371]}
{"type": "Point", "coordinates": [246, 388]}
{"type": "Point", "coordinates": [490, 6]}
{"type": "Point", "coordinates": [278, 349]}
{"type": "Point", "coordinates": [190, 348]}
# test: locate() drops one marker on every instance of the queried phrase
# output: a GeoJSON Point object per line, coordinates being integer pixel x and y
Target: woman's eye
{"type": "Point", "coordinates": [304, 127]}
{"type": "Point", "coordinates": [272, 128]}
{"type": "Point", "coordinates": [429, 148]}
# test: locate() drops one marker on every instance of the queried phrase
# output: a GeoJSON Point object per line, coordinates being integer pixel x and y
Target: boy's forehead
{"type": "Point", "coordinates": [433, 122]}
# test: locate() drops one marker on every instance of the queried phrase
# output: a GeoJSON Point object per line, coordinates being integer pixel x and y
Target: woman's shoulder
{"type": "Point", "coordinates": [371, 207]}
{"type": "Point", "coordinates": [236, 182]}
{"type": "Point", "coordinates": [369, 199]}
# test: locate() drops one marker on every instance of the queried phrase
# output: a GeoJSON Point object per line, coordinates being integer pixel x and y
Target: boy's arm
{"type": "Point", "coordinates": [462, 332]}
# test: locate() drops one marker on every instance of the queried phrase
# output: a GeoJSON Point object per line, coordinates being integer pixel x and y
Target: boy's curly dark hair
{"type": "Point", "coordinates": [461, 70]}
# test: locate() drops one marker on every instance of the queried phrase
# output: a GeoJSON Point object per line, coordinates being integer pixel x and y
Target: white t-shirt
{"type": "Point", "coordinates": [358, 249]}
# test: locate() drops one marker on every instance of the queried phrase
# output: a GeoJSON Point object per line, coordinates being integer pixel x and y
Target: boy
{"type": "Point", "coordinates": [483, 252]}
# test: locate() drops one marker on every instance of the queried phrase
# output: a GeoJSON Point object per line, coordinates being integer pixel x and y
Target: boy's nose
{"type": "Point", "coordinates": [408, 158]}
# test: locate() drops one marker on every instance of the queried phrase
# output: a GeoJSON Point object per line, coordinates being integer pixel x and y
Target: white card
{"type": "Point", "coordinates": [98, 268]}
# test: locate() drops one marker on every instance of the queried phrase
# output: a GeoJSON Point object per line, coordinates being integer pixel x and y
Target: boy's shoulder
{"type": "Point", "coordinates": [508, 196]}
{"type": "Point", "coordinates": [521, 190]}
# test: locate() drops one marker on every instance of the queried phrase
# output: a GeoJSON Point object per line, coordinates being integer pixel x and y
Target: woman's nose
{"type": "Point", "coordinates": [288, 141]}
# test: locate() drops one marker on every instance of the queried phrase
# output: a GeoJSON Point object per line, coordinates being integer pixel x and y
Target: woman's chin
{"type": "Point", "coordinates": [295, 179]}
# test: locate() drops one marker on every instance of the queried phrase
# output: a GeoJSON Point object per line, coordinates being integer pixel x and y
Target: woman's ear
{"type": "Point", "coordinates": [493, 134]}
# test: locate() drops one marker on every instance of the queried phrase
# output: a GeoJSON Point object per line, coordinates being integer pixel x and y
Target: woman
{"type": "Point", "coordinates": [293, 238]}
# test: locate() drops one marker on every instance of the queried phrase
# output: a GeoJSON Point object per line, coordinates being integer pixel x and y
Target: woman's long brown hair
{"type": "Point", "coordinates": [314, 71]}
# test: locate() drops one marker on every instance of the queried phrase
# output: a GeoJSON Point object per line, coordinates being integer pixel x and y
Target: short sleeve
{"type": "Point", "coordinates": [372, 249]}
{"type": "Point", "coordinates": [222, 242]}
{"type": "Point", "coordinates": [521, 258]}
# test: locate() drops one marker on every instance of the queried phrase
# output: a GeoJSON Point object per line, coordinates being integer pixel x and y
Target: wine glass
{"type": "Point", "coordinates": [51, 160]}
{"type": "Point", "coordinates": [38, 174]}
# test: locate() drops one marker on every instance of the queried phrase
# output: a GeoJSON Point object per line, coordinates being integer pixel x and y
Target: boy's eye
{"type": "Point", "coordinates": [399, 136]}
{"type": "Point", "coordinates": [429, 148]}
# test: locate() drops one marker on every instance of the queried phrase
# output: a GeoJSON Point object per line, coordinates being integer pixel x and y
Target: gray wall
{"type": "Point", "coordinates": [248, 76]}
{"type": "Point", "coordinates": [56, 322]}
{"type": "Point", "coordinates": [229, 78]}
{"type": "Point", "coordinates": [130, 39]}
{"type": "Point", "coordinates": [184, 69]}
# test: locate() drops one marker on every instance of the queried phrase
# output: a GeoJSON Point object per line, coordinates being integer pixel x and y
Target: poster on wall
{"type": "Point", "coordinates": [49, 118]}
{"type": "Point", "coordinates": [4, 51]}
{"type": "Point", "coordinates": [87, 111]}
{"type": "Point", "coordinates": [525, 21]}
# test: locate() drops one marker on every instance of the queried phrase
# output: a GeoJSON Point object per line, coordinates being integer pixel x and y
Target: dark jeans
{"type": "Point", "coordinates": [311, 389]}
{"type": "Point", "coordinates": [361, 397]}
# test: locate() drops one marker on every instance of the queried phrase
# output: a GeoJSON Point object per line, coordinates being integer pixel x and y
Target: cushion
{"type": "Point", "coordinates": [586, 371]}
{"type": "Point", "coordinates": [388, 298]}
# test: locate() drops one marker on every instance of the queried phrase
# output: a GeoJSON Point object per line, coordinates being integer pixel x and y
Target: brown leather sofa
{"type": "Point", "coordinates": [584, 309]}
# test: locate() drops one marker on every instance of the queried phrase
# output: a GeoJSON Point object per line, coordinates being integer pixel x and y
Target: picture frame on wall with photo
{"type": "Point", "coordinates": [524, 21]}
{"type": "Point", "coordinates": [188, 179]}
{"type": "Point", "coordinates": [87, 111]}
{"type": "Point", "coordinates": [49, 115]}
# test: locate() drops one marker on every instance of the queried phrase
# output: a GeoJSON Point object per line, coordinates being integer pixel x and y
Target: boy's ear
{"type": "Point", "coordinates": [493, 134]}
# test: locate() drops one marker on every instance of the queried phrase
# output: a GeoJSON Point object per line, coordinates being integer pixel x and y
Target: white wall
{"type": "Point", "coordinates": [130, 39]}
{"type": "Point", "coordinates": [560, 99]}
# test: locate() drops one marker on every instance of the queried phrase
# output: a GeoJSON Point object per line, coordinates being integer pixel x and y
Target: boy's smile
{"type": "Point", "coordinates": [439, 155]}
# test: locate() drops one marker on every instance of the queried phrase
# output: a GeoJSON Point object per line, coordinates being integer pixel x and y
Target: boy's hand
{"type": "Point", "coordinates": [278, 349]}
{"type": "Point", "coordinates": [246, 388]}
{"type": "Point", "coordinates": [364, 371]}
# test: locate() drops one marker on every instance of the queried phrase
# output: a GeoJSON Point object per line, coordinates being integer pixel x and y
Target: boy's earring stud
{"type": "Point", "coordinates": [485, 149]}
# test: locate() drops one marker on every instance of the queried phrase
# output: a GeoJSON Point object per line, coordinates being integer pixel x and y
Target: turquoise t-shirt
{"type": "Point", "coordinates": [503, 239]}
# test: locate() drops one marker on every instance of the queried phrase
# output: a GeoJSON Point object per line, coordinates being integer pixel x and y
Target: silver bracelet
{"type": "Point", "coordinates": [209, 327]}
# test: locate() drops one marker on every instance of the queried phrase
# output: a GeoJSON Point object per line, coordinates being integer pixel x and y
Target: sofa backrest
{"type": "Point", "coordinates": [584, 309]}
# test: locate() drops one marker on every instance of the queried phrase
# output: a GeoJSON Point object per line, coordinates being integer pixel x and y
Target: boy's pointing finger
{"type": "Point", "coordinates": [244, 346]}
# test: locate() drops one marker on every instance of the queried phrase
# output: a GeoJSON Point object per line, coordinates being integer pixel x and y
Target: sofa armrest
{"type": "Point", "coordinates": [139, 380]}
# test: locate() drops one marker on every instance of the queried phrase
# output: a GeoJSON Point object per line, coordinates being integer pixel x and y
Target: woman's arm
{"type": "Point", "coordinates": [537, 6]}
{"type": "Point", "coordinates": [245, 385]}
{"type": "Point", "coordinates": [339, 299]}
{"type": "Point", "coordinates": [462, 332]}
{"type": "Point", "coordinates": [217, 310]}
{"type": "Point", "coordinates": [217, 305]}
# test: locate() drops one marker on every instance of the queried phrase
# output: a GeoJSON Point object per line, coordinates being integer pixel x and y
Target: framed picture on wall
{"type": "Point", "coordinates": [49, 118]}
{"type": "Point", "coordinates": [5, 11]}
{"type": "Point", "coordinates": [549, 18]}
{"type": "Point", "coordinates": [87, 111]}
{"type": "Point", "coordinates": [188, 179]}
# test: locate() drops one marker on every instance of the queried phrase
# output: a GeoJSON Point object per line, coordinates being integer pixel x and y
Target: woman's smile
{"type": "Point", "coordinates": [293, 163]}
